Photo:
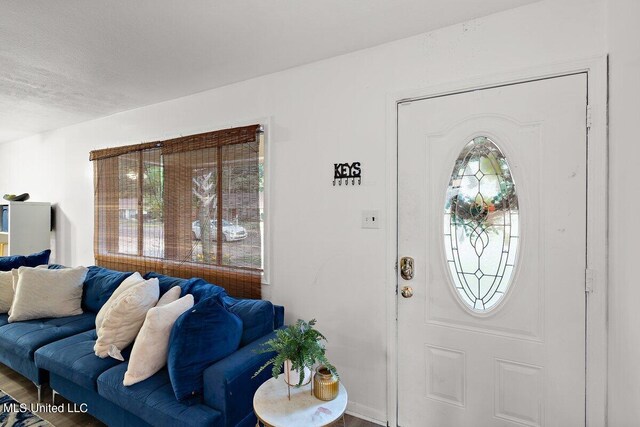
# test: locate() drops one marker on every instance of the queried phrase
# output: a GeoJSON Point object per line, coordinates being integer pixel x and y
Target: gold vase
{"type": "Point", "coordinates": [325, 384]}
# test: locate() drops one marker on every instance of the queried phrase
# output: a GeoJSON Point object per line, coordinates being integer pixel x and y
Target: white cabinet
{"type": "Point", "coordinates": [25, 227]}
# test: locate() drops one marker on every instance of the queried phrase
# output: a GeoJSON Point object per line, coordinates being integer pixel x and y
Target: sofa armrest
{"type": "Point", "coordinates": [278, 316]}
{"type": "Point", "coordinates": [228, 386]}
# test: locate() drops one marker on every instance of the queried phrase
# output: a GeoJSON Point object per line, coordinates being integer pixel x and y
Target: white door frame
{"type": "Point", "coordinates": [597, 219]}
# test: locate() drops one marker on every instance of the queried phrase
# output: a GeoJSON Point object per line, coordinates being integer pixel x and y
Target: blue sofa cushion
{"type": "Point", "coordinates": [257, 317]}
{"type": "Point", "coordinates": [99, 284]}
{"type": "Point", "coordinates": [199, 288]}
{"type": "Point", "coordinates": [8, 263]}
{"type": "Point", "coordinates": [73, 358]}
{"type": "Point", "coordinates": [4, 319]}
{"type": "Point", "coordinates": [107, 412]}
{"type": "Point", "coordinates": [40, 258]}
{"type": "Point", "coordinates": [153, 400]}
{"type": "Point", "coordinates": [24, 338]}
{"type": "Point", "coordinates": [166, 282]}
{"type": "Point", "coordinates": [201, 336]}
{"type": "Point", "coordinates": [20, 340]}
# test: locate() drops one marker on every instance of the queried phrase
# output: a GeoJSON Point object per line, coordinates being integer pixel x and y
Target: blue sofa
{"type": "Point", "coordinates": [60, 352]}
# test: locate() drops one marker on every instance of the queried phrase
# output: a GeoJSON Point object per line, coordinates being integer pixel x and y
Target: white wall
{"type": "Point", "coordinates": [624, 199]}
{"type": "Point", "coordinates": [323, 264]}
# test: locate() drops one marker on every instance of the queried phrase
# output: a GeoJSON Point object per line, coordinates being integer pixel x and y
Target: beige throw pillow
{"type": "Point", "coordinates": [44, 293]}
{"type": "Point", "coordinates": [16, 276]}
{"type": "Point", "coordinates": [151, 348]}
{"type": "Point", "coordinates": [170, 296]}
{"type": "Point", "coordinates": [125, 317]}
{"type": "Point", "coordinates": [6, 291]}
{"type": "Point", "coordinates": [127, 283]}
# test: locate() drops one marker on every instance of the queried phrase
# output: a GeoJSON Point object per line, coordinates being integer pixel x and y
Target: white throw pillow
{"type": "Point", "coordinates": [151, 348]}
{"type": "Point", "coordinates": [125, 317]}
{"type": "Point", "coordinates": [16, 276]}
{"type": "Point", "coordinates": [6, 291]}
{"type": "Point", "coordinates": [127, 283]}
{"type": "Point", "coordinates": [170, 296]}
{"type": "Point", "coordinates": [44, 293]}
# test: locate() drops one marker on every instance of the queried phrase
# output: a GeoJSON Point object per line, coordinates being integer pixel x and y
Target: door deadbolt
{"type": "Point", "coordinates": [406, 292]}
{"type": "Point", "coordinates": [406, 267]}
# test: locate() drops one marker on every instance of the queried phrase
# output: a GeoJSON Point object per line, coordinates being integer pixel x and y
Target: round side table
{"type": "Point", "coordinates": [274, 409]}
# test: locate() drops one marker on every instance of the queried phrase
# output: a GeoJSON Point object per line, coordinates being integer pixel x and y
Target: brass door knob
{"type": "Point", "coordinates": [406, 291]}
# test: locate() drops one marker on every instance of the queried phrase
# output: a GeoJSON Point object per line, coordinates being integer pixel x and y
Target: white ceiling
{"type": "Point", "coordinates": [67, 61]}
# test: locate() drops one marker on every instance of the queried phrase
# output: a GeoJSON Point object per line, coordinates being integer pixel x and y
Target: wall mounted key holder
{"type": "Point", "coordinates": [347, 171]}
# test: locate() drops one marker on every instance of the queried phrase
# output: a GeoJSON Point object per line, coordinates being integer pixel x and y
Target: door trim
{"type": "Point", "coordinates": [596, 276]}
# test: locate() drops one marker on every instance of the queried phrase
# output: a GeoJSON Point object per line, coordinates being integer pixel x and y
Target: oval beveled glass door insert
{"type": "Point", "coordinates": [481, 229]}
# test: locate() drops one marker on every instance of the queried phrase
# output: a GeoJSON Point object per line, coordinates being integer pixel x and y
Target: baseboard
{"type": "Point", "coordinates": [366, 413]}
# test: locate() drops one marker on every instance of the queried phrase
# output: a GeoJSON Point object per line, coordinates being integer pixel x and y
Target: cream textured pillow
{"type": "Point", "coordinates": [170, 296]}
{"type": "Point", "coordinates": [44, 293]}
{"type": "Point", "coordinates": [151, 348]}
{"type": "Point", "coordinates": [16, 276]}
{"type": "Point", "coordinates": [125, 317]}
{"type": "Point", "coordinates": [127, 283]}
{"type": "Point", "coordinates": [6, 291]}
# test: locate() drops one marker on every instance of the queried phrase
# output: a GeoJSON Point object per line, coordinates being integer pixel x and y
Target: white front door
{"type": "Point", "coordinates": [492, 209]}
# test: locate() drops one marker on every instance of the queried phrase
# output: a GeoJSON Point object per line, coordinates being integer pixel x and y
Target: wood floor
{"type": "Point", "coordinates": [23, 390]}
{"type": "Point", "coordinates": [351, 421]}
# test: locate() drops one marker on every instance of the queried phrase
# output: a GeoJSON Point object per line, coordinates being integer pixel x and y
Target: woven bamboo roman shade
{"type": "Point", "coordinates": [185, 207]}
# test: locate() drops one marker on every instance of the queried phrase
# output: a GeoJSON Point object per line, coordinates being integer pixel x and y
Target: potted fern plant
{"type": "Point", "coordinates": [298, 347]}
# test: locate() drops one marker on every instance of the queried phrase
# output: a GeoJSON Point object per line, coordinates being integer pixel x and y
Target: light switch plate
{"type": "Point", "coordinates": [371, 219]}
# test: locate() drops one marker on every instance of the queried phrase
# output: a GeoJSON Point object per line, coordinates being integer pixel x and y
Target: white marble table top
{"type": "Point", "coordinates": [272, 407]}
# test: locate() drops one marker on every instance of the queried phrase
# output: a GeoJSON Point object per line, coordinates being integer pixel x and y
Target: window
{"type": "Point", "coordinates": [481, 229]}
{"type": "Point", "coordinates": [187, 207]}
